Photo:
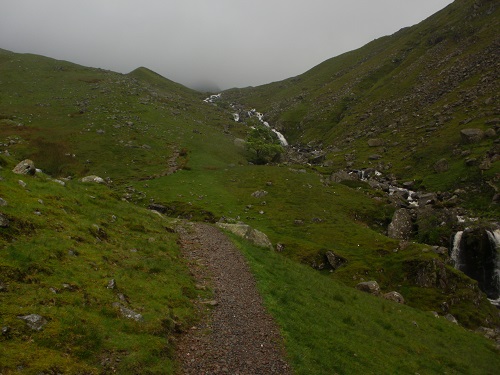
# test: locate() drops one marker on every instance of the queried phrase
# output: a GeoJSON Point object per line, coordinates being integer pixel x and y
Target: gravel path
{"type": "Point", "coordinates": [238, 336]}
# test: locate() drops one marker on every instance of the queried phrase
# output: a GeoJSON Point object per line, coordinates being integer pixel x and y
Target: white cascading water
{"type": "Point", "coordinates": [252, 112]}
{"type": "Point", "coordinates": [455, 251]}
{"type": "Point", "coordinates": [494, 237]}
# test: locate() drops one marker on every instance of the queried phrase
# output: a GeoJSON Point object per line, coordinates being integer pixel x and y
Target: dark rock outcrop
{"type": "Point", "coordinates": [335, 260]}
{"type": "Point", "coordinates": [471, 135]}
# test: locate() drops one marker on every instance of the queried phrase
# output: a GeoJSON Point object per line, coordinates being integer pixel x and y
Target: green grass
{"type": "Point", "coordinates": [331, 329]}
{"type": "Point", "coordinates": [58, 264]}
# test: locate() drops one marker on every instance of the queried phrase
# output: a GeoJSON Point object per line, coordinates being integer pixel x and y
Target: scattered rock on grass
{"type": "Point", "coordinates": [34, 321]}
{"type": "Point", "coordinates": [259, 194]}
{"type": "Point", "coordinates": [26, 167]}
{"type": "Point", "coordinates": [335, 260]}
{"type": "Point", "coordinates": [247, 232]}
{"type": "Point", "coordinates": [128, 313]}
{"type": "Point", "coordinates": [92, 178]}
{"type": "Point", "coordinates": [471, 135]}
{"type": "Point", "coordinates": [371, 287]}
{"type": "Point", "coordinates": [394, 296]}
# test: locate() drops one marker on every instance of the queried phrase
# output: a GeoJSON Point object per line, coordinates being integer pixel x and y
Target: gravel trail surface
{"type": "Point", "coordinates": [237, 335]}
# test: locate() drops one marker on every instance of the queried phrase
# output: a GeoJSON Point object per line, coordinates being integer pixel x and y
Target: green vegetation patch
{"type": "Point", "coordinates": [105, 275]}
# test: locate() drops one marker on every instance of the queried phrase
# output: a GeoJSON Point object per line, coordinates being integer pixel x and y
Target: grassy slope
{"type": "Point", "coordinates": [331, 329]}
{"type": "Point", "coordinates": [63, 246]}
{"type": "Point", "coordinates": [416, 89]}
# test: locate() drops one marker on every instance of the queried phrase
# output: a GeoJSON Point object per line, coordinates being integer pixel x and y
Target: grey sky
{"type": "Point", "coordinates": [227, 42]}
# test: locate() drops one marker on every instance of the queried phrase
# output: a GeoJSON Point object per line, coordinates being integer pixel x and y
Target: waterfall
{"type": "Point", "coordinates": [455, 251]}
{"type": "Point", "coordinates": [494, 237]}
{"type": "Point", "coordinates": [282, 139]}
{"type": "Point", "coordinates": [253, 112]}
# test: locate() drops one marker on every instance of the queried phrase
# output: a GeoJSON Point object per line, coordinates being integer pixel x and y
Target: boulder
{"type": "Point", "coordinates": [335, 260]}
{"type": "Point", "coordinates": [34, 321]}
{"type": "Point", "coordinates": [471, 135]}
{"type": "Point", "coordinates": [247, 232]}
{"type": "Point", "coordinates": [371, 287]}
{"type": "Point", "coordinates": [92, 178]}
{"type": "Point", "coordinates": [3, 202]}
{"type": "Point", "coordinates": [26, 167]}
{"type": "Point", "coordinates": [394, 296]}
{"type": "Point", "coordinates": [401, 225]}
{"type": "Point", "coordinates": [441, 166]}
{"type": "Point", "coordinates": [342, 175]}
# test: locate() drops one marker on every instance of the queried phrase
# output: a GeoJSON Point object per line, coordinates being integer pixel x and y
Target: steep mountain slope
{"type": "Point", "coordinates": [414, 92]}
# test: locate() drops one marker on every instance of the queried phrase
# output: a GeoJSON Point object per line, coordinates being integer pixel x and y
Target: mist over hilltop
{"type": "Point", "coordinates": [231, 43]}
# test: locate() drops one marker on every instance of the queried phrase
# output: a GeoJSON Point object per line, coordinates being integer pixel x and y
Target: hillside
{"type": "Point", "coordinates": [411, 94]}
{"type": "Point", "coordinates": [107, 275]}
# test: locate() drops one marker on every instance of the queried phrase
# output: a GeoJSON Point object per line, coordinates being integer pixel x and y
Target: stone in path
{"type": "Point", "coordinates": [238, 336]}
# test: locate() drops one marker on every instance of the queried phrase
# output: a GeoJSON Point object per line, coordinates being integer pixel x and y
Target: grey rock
{"type": "Point", "coordinates": [128, 313]}
{"type": "Point", "coordinates": [451, 318]}
{"type": "Point", "coordinates": [342, 175]}
{"type": "Point", "coordinates": [34, 321]}
{"type": "Point", "coordinates": [22, 183]}
{"type": "Point", "coordinates": [394, 296]}
{"type": "Point", "coordinates": [401, 225]}
{"type": "Point", "coordinates": [441, 166]}
{"type": "Point", "coordinates": [259, 194]}
{"type": "Point", "coordinates": [60, 182]}
{"type": "Point", "coordinates": [6, 331]}
{"type": "Point", "coordinates": [247, 232]}
{"type": "Point", "coordinates": [335, 260]}
{"type": "Point", "coordinates": [3, 202]}
{"type": "Point", "coordinates": [3, 287]}
{"type": "Point", "coordinates": [375, 157]}
{"type": "Point", "coordinates": [371, 287]}
{"type": "Point", "coordinates": [427, 198]}
{"type": "Point", "coordinates": [111, 284]}
{"type": "Point", "coordinates": [4, 221]}
{"type": "Point", "coordinates": [471, 135]}
{"type": "Point", "coordinates": [26, 167]}
{"type": "Point", "coordinates": [92, 178]}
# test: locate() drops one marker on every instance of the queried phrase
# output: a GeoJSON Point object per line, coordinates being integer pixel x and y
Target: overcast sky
{"type": "Point", "coordinates": [231, 43]}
